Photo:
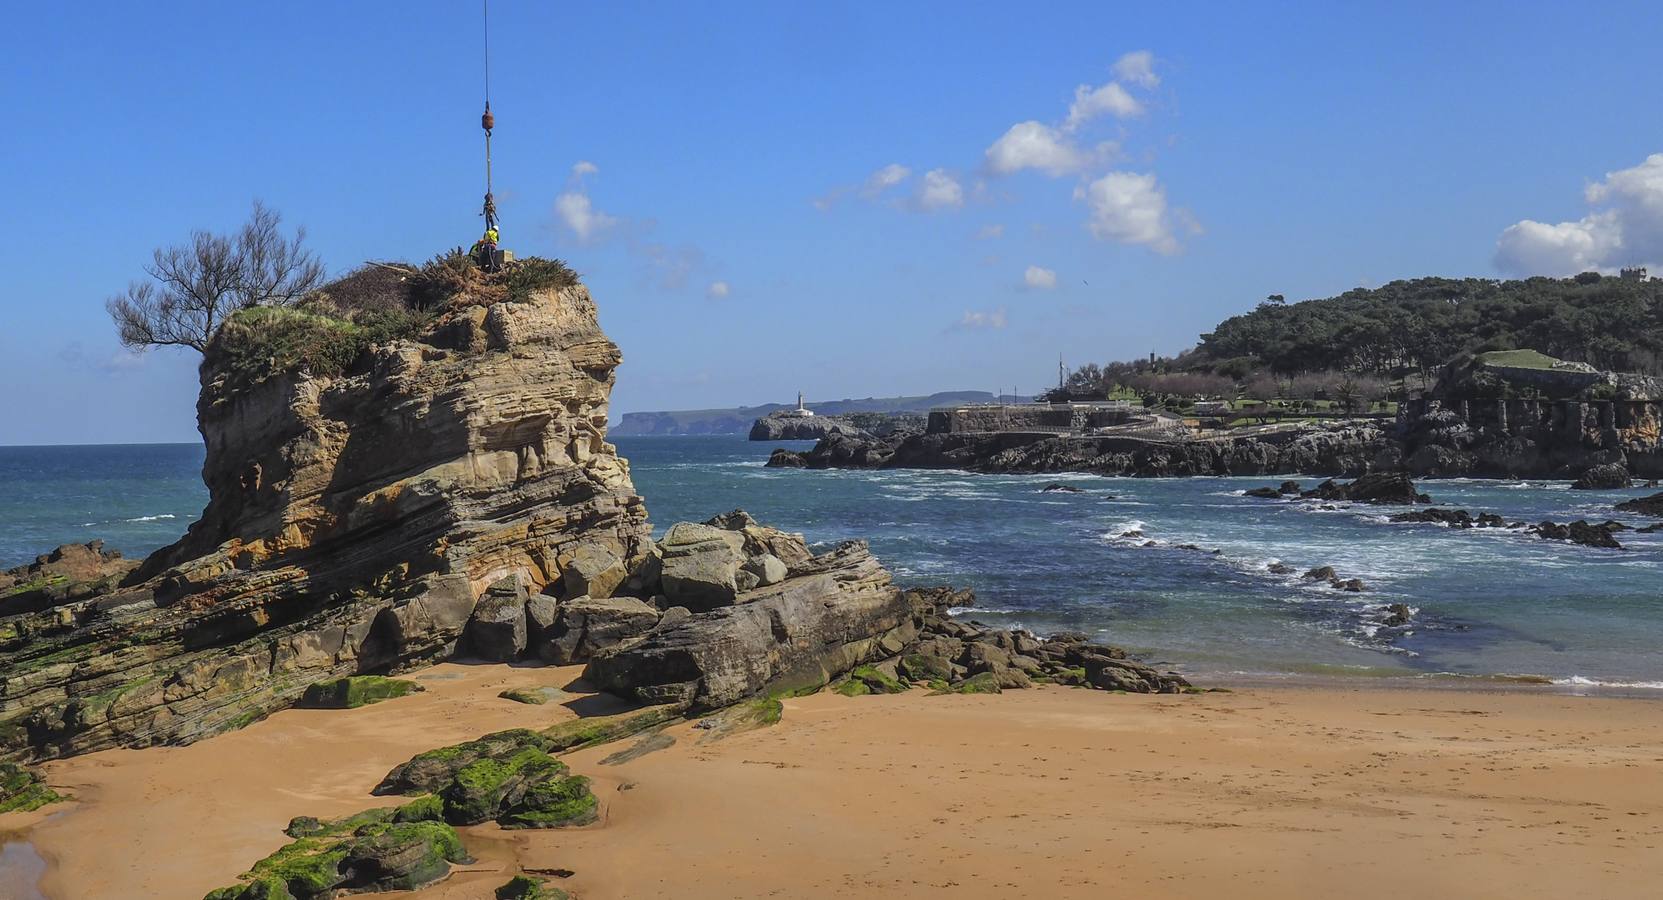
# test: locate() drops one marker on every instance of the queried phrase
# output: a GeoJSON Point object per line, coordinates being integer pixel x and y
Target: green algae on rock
{"type": "Point", "coordinates": [508, 777]}
{"type": "Point", "coordinates": [387, 849]}
{"type": "Point", "coordinates": [354, 691]}
{"type": "Point", "coordinates": [524, 887]}
{"type": "Point", "coordinates": [21, 789]}
{"type": "Point", "coordinates": [535, 696]}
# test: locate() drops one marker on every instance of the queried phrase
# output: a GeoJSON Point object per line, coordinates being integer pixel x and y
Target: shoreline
{"type": "Point", "coordinates": [222, 803]}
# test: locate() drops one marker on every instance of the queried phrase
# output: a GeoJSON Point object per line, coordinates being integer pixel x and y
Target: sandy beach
{"type": "Point", "coordinates": [1265, 791]}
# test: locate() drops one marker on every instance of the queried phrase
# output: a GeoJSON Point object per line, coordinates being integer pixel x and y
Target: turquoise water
{"type": "Point", "coordinates": [1487, 602]}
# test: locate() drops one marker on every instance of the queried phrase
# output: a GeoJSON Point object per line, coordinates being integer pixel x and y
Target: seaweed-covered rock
{"type": "Point", "coordinates": [431, 771]}
{"type": "Point", "coordinates": [524, 887]}
{"type": "Point", "coordinates": [355, 691]}
{"type": "Point", "coordinates": [22, 790]}
{"type": "Point", "coordinates": [482, 789]}
{"type": "Point", "coordinates": [552, 802]}
{"type": "Point", "coordinates": [384, 849]}
{"type": "Point", "coordinates": [533, 696]}
{"type": "Point", "coordinates": [508, 777]}
{"type": "Point", "coordinates": [875, 681]}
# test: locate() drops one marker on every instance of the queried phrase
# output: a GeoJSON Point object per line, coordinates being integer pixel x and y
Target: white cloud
{"type": "Point", "coordinates": [580, 216]}
{"type": "Point", "coordinates": [940, 191]}
{"type": "Point", "coordinates": [1137, 67]}
{"type": "Point", "coordinates": [717, 290]}
{"type": "Point", "coordinates": [1039, 279]}
{"type": "Point", "coordinates": [975, 319]}
{"type": "Point", "coordinates": [885, 178]}
{"type": "Point", "coordinates": [1626, 229]}
{"type": "Point", "coordinates": [990, 232]}
{"type": "Point", "coordinates": [574, 209]}
{"type": "Point", "coordinates": [1090, 102]}
{"type": "Point", "coordinates": [1131, 209]}
{"type": "Point", "coordinates": [1035, 145]}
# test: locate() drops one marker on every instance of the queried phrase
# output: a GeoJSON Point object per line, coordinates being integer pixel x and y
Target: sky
{"type": "Point", "coordinates": [847, 199]}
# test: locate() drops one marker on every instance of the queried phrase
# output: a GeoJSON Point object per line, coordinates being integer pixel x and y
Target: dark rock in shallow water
{"type": "Point", "coordinates": [1375, 487]}
{"type": "Point", "coordinates": [1277, 568]}
{"type": "Point", "coordinates": [1578, 532]}
{"type": "Point", "coordinates": [1264, 493]}
{"type": "Point", "coordinates": [1059, 487]}
{"type": "Point", "coordinates": [1599, 478]}
{"type": "Point", "coordinates": [1646, 506]}
{"type": "Point", "coordinates": [1397, 615]}
{"type": "Point", "coordinates": [1320, 573]}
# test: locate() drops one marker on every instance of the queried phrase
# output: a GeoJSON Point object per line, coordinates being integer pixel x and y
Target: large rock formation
{"type": "Point", "coordinates": [778, 427]}
{"type": "Point", "coordinates": [768, 614]}
{"type": "Point", "coordinates": [354, 522]}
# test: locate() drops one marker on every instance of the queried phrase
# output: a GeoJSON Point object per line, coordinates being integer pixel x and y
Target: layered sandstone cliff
{"type": "Point", "coordinates": [354, 521]}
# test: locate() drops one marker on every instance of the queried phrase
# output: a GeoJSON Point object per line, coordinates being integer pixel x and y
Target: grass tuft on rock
{"type": "Point", "coordinates": [354, 691]}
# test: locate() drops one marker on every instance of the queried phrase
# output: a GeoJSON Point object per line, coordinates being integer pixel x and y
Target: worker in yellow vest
{"type": "Point", "coordinates": [485, 250]}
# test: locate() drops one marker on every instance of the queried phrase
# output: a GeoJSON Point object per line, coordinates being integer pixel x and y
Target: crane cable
{"type": "Point", "coordinates": [487, 121]}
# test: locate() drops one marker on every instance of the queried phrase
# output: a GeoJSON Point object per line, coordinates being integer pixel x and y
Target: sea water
{"type": "Point", "coordinates": [1177, 570]}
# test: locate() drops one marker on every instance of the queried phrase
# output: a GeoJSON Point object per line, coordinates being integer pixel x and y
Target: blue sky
{"type": "Point", "coordinates": [740, 212]}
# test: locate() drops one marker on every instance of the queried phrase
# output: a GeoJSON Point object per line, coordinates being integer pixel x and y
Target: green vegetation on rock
{"type": "Point", "coordinates": [524, 887]}
{"type": "Point", "coordinates": [553, 803]}
{"type": "Point", "coordinates": [391, 848]}
{"type": "Point", "coordinates": [876, 681]}
{"type": "Point", "coordinates": [21, 790]}
{"type": "Point", "coordinates": [985, 683]}
{"type": "Point", "coordinates": [478, 790]}
{"type": "Point", "coordinates": [326, 332]}
{"type": "Point", "coordinates": [354, 691]}
{"type": "Point", "coordinates": [536, 696]}
{"type": "Point", "coordinates": [588, 732]}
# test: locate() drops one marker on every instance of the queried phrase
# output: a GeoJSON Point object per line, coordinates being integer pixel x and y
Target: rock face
{"type": "Point", "coordinates": [775, 427]}
{"type": "Point", "coordinates": [1494, 438]}
{"type": "Point", "coordinates": [826, 614]}
{"type": "Point", "coordinates": [353, 524]}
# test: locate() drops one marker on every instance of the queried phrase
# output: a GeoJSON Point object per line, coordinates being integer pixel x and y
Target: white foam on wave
{"type": "Point", "coordinates": [156, 518]}
{"type": "Point", "coordinates": [1582, 681]}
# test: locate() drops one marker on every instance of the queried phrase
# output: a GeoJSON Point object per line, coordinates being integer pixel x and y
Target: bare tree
{"type": "Point", "coordinates": [194, 287]}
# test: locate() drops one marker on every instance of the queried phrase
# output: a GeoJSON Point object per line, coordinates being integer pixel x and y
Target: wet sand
{"type": "Point", "coordinates": [1269, 791]}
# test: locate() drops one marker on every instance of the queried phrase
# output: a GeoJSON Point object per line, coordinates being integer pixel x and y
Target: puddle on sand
{"type": "Point", "coordinates": [20, 869]}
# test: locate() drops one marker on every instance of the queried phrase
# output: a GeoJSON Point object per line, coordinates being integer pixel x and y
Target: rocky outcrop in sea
{"type": "Point", "coordinates": [1602, 444]}
{"type": "Point", "coordinates": [448, 493]}
{"type": "Point", "coordinates": [780, 427]}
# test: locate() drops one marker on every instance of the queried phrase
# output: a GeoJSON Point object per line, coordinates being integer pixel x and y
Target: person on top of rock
{"type": "Point", "coordinates": [485, 249]}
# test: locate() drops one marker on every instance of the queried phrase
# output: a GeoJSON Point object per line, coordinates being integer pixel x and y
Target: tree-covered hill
{"type": "Point", "coordinates": [1613, 323]}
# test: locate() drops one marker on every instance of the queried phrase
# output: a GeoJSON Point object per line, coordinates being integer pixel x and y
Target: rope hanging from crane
{"type": "Point", "coordinates": [487, 122]}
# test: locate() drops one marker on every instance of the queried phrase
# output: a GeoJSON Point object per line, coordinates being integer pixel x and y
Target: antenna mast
{"type": "Point", "coordinates": [487, 122]}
